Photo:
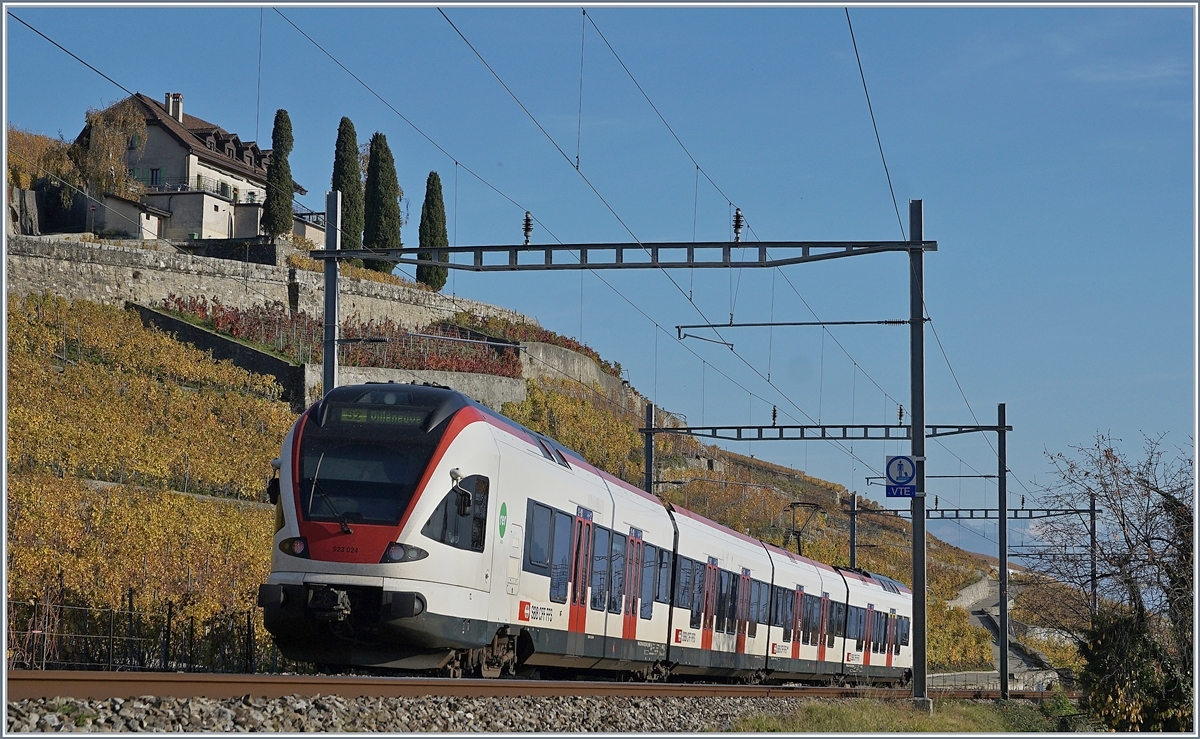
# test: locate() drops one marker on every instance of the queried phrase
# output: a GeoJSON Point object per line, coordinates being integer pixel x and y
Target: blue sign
{"type": "Point", "coordinates": [900, 470]}
{"type": "Point", "coordinates": [901, 491]}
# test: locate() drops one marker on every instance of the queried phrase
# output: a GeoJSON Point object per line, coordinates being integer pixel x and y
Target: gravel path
{"type": "Point", "coordinates": [331, 713]}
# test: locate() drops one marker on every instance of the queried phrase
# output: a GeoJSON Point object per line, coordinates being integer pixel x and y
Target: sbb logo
{"type": "Point", "coordinates": [530, 612]}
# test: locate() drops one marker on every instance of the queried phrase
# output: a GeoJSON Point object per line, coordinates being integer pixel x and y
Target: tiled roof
{"type": "Point", "coordinates": [192, 134]}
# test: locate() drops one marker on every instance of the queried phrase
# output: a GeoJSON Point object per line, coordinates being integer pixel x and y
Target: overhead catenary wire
{"type": "Point", "coordinates": [248, 287]}
{"type": "Point", "coordinates": [904, 235]}
{"type": "Point", "coordinates": [621, 221]}
{"type": "Point", "coordinates": [511, 200]}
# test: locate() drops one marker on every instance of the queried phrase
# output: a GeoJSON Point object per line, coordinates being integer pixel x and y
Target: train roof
{"type": "Point", "coordinates": [797, 557]}
{"type": "Point", "coordinates": [713, 524]}
{"type": "Point", "coordinates": [883, 581]}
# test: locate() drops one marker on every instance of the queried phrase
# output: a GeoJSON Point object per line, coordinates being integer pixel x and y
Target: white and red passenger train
{"type": "Point", "coordinates": [418, 530]}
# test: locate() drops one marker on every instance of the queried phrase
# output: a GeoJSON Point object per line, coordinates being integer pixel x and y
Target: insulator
{"type": "Point", "coordinates": [738, 222]}
{"type": "Point", "coordinates": [528, 226]}
{"type": "Point", "coordinates": [900, 414]}
{"type": "Point", "coordinates": [774, 414]}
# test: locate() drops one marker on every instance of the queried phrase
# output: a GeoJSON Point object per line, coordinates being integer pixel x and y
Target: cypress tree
{"type": "Point", "coordinates": [433, 233]}
{"type": "Point", "coordinates": [347, 177]}
{"type": "Point", "coordinates": [381, 203]}
{"type": "Point", "coordinates": [277, 206]}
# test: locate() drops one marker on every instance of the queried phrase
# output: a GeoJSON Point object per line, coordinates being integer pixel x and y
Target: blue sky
{"type": "Point", "coordinates": [1053, 148]}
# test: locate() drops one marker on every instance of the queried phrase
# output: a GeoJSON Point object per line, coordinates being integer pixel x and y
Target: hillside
{"type": "Point", "coordinates": [95, 395]}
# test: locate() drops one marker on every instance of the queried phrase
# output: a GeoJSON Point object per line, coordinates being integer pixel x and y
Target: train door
{"type": "Point", "coordinates": [870, 627]}
{"type": "Point", "coordinates": [797, 621]}
{"type": "Point", "coordinates": [711, 578]}
{"type": "Point", "coordinates": [742, 611]}
{"type": "Point", "coordinates": [634, 551]}
{"type": "Point", "coordinates": [581, 567]}
{"type": "Point", "coordinates": [824, 627]}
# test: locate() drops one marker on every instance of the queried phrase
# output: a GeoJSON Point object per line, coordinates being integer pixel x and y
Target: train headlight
{"type": "Point", "coordinates": [296, 547]}
{"type": "Point", "coordinates": [397, 552]}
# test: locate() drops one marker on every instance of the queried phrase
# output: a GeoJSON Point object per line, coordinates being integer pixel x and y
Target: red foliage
{"type": "Point", "coordinates": [506, 328]}
{"type": "Point", "coordinates": [299, 337]}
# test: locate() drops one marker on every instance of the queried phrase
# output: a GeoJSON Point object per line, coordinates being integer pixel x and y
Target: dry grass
{"type": "Point", "coordinates": [870, 716]}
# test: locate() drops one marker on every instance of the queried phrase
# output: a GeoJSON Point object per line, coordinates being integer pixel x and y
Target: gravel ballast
{"type": "Point", "coordinates": [332, 713]}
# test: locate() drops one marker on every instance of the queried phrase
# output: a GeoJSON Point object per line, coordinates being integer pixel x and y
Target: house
{"type": "Point", "coordinates": [207, 181]}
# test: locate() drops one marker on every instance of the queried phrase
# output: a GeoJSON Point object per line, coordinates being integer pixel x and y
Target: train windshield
{"type": "Point", "coordinates": [363, 462]}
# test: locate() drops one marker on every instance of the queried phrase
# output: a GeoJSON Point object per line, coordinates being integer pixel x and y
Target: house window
{"type": "Point", "coordinates": [133, 141]}
{"type": "Point", "coordinates": [154, 176]}
{"type": "Point", "coordinates": [252, 197]}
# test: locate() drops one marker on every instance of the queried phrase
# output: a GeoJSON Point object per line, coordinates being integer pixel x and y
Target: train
{"type": "Point", "coordinates": [418, 531]}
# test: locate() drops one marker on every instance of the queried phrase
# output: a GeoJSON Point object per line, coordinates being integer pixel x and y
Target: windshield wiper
{"type": "Point", "coordinates": [316, 488]}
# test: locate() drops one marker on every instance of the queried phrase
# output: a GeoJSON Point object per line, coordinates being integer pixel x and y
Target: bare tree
{"type": "Point", "coordinates": [1143, 572]}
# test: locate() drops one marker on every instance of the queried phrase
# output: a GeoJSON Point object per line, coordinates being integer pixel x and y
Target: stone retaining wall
{"type": "Point", "coordinates": [113, 274]}
{"type": "Point", "coordinates": [491, 390]}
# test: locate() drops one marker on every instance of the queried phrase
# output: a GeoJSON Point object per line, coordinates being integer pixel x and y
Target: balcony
{"type": "Point", "coordinates": [308, 215]}
{"type": "Point", "coordinates": [199, 183]}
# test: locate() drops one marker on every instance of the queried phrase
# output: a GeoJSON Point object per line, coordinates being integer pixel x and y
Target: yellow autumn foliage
{"type": "Point", "coordinates": [69, 542]}
{"type": "Point", "coordinates": [94, 394]}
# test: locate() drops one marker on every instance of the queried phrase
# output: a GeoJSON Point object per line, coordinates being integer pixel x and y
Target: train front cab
{"type": "Point", "coordinates": [395, 566]}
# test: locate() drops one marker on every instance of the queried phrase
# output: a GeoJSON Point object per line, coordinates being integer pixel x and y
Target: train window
{"type": "Point", "coordinates": [860, 628]}
{"type": "Point", "coordinates": [905, 623]}
{"type": "Point", "coordinates": [699, 575]}
{"type": "Point", "coordinates": [733, 613]}
{"type": "Point", "coordinates": [878, 632]}
{"type": "Point", "coordinates": [361, 464]}
{"type": "Point", "coordinates": [812, 619]}
{"type": "Point", "coordinates": [683, 584]}
{"type": "Point", "coordinates": [831, 623]}
{"type": "Point", "coordinates": [600, 543]}
{"type": "Point", "coordinates": [787, 597]}
{"type": "Point", "coordinates": [560, 557]}
{"type": "Point", "coordinates": [776, 606]}
{"type": "Point", "coordinates": [754, 600]}
{"type": "Point", "coordinates": [537, 527]}
{"type": "Point", "coordinates": [649, 567]}
{"type": "Point", "coordinates": [662, 593]}
{"type": "Point", "coordinates": [616, 599]}
{"type": "Point", "coordinates": [722, 599]}
{"type": "Point", "coordinates": [467, 532]}
{"type": "Point", "coordinates": [838, 620]}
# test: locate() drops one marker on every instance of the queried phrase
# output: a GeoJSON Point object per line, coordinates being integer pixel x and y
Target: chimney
{"type": "Point", "coordinates": [174, 105]}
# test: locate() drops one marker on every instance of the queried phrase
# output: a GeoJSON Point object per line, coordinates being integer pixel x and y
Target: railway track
{"type": "Point", "coordinates": [34, 684]}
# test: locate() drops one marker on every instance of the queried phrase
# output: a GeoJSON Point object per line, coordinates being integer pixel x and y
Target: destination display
{"type": "Point", "coordinates": [389, 416]}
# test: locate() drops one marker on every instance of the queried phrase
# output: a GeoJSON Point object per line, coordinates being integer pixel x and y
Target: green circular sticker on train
{"type": "Point", "coordinates": [503, 518]}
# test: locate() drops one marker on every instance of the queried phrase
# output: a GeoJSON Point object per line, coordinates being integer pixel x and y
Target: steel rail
{"type": "Point", "coordinates": [34, 684]}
